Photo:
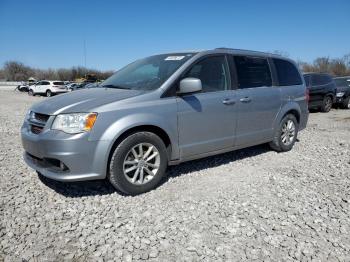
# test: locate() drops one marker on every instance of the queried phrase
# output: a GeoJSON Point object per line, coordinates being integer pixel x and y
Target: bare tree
{"type": "Point", "coordinates": [338, 67]}
{"type": "Point", "coordinates": [16, 71]}
{"type": "Point", "coordinates": [322, 64]}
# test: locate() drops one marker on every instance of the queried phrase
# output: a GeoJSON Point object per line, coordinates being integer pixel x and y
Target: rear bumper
{"type": "Point", "coordinates": [83, 159]}
{"type": "Point", "coordinates": [59, 91]}
{"type": "Point", "coordinates": [303, 120]}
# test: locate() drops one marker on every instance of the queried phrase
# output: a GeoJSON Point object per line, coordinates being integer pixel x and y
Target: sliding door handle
{"type": "Point", "coordinates": [245, 99]}
{"type": "Point", "coordinates": [228, 101]}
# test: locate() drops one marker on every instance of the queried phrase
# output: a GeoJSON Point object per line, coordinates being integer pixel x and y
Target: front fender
{"type": "Point", "coordinates": [168, 125]}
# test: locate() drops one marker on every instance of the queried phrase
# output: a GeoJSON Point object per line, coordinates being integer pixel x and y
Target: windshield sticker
{"type": "Point", "coordinates": [174, 58]}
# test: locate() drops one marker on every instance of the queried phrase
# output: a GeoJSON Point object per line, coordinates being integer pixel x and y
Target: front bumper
{"type": "Point", "coordinates": [339, 100]}
{"type": "Point", "coordinates": [60, 91]}
{"type": "Point", "coordinates": [83, 159]}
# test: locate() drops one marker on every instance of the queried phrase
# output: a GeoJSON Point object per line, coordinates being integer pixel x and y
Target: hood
{"type": "Point", "coordinates": [82, 101]}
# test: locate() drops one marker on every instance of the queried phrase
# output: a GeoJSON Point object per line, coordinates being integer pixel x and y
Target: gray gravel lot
{"type": "Point", "coordinates": [245, 205]}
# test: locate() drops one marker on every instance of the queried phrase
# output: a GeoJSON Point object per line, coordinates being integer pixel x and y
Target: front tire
{"type": "Point", "coordinates": [31, 92]}
{"type": "Point", "coordinates": [286, 134]}
{"type": "Point", "coordinates": [346, 103]}
{"type": "Point", "coordinates": [138, 163]}
{"type": "Point", "coordinates": [327, 104]}
{"type": "Point", "coordinates": [48, 93]}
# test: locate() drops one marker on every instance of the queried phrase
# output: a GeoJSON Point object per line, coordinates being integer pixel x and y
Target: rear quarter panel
{"type": "Point", "coordinates": [294, 99]}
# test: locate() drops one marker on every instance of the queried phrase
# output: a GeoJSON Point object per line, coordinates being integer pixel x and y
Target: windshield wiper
{"type": "Point", "coordinates": [115, 86]}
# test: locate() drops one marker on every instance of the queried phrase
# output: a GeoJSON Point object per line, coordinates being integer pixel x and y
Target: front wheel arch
{"type": "Point", "coordinates": [142, 128]}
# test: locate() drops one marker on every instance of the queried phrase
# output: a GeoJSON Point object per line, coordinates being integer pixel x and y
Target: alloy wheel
{"type": "Point", "coordinates": [288, 133]}
{"type": "Point", "coordinates": [141, 163]}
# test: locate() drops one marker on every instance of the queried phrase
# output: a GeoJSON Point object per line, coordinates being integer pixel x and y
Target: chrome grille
{"type": "Point", "coordinates": [41, 117]}
{"type": "Point", "coordinates": [36, 129]}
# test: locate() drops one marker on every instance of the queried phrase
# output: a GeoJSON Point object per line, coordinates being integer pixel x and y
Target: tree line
{"type": "Point", "coordinates": [17, 71]}
{"type": "Point", "coordinates": [333, 66]}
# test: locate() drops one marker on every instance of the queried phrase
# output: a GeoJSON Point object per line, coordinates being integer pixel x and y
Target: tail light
{"type": "Point", "coordinates": [307, 94]}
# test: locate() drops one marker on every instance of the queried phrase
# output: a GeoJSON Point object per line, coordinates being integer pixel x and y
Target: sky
{"type": "Point", "coordinates": [51, 34]}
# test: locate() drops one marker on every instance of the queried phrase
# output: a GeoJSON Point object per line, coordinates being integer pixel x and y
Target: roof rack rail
{"type": "Point", "coordinates": [246, 50]}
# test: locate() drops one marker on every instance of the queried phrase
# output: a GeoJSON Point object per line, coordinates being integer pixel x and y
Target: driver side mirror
{"type": "Point", "coordinates": [190, 85]}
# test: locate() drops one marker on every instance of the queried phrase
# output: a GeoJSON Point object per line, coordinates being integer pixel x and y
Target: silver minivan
{"type": "Point", "coordinates": [163, 110]}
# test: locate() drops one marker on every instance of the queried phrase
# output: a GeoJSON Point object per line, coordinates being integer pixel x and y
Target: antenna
{"type": "Point", "coordinates": [84, 53]}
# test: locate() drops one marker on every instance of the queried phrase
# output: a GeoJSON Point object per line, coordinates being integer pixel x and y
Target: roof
{"type": "Point", "coordinates": [340, 77]}
{"type": "Point", "coordinates": [316, 73]}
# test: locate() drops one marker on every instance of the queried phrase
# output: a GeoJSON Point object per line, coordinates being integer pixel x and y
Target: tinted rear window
{"type": "Point", "coordinates": [287, 73]}
{"type": "Point", "coordinates": [58, 83]}
{"type": "Point", "coordinates": [318, 80]}
{"type": "Point", "coordinates": [252, 72]}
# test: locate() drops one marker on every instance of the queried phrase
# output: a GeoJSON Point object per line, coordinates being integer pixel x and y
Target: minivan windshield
{"type": "Point", "coordinates": [147, 73]}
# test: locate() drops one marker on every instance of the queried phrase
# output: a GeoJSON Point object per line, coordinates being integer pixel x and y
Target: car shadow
{"type": "Point", "coordinates": [103, 187]}
{"type": "Point", "coordinates": [214, 161]}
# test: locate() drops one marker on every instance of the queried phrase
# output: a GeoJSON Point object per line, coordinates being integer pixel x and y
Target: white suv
{"type": "Point", "coordinates": [48, 88]}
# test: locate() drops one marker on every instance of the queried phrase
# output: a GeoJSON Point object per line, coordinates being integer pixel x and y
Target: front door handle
{"type": "Point", "coordinates": [228, 101]}
{"type": "Point", "coordinates": [245, 99]}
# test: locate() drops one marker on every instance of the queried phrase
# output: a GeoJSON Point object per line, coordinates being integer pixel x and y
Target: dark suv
{"type": "Point", "coordinates": [322, 90]}
{"type": "Point", "coordinates": [343, 91]}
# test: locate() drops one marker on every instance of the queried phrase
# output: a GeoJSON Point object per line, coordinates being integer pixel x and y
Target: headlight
{"type": "Point", "coordinates": [74, 123]}
{"type": "Point", "coordinates": [29, 115]}
{"type": "Point", "coordinates": [340, 94]}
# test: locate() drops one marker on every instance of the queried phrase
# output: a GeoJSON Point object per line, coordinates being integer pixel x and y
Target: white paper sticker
{"type": "Point", "coordinates": [174, 58]}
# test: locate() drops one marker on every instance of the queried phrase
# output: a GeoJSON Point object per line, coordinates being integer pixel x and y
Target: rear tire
{"type": "Point", "coordinates": [286, 134]}
{"type": "Point", "coordinates": [326, 104]}
{"type": "Point", "coordinates": [48, 93]}
{"type": "Point", "coordinates": [346, 103]}
{"type": "Point", "coordinates": [132, 154]}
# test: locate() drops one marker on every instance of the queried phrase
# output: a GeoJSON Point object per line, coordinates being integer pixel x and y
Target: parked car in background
{"type": "Point", "coordinates": [322, 91]}
{"type": "Point", "coordinates": [24, 87]}
{"type": "Point", "coordinates": [92, 85]}
{"type": "Point", "coordinates": [163, 110]}
{"type": "Point", "coordinates": [79, 86]}
{"type": "Point", "coordinates": [343, 91]}
{"type": "Point", "coordinates": [48, 88]}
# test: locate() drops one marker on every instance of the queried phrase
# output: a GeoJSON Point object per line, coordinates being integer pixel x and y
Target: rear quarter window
{"type": "Point", "coordinates": [287, 73]}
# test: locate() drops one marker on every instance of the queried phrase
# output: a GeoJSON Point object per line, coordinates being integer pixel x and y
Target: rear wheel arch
{"type": "Point", "coordinates": [292, 112]}
{"type": "Point", "coordinates": [290, 108]}
{"type": "Point", "coordinates": [330, 95]}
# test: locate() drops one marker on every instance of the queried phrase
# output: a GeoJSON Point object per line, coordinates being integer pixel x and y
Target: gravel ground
{"type": "Point", "coordinates": [245, 205]}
